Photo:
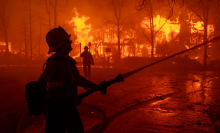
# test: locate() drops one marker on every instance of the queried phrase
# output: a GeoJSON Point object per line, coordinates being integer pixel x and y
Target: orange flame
{"type": "Point", "coordinates": [199, 27]}
{"type": "Point", "coordinates": [164, 26]}
{"type": "Point", "coordinates": [167, 30]}
{"type": "Point", "coordinates": [81, 29]}
{"type": "Point", "coordinates": [2, 46]}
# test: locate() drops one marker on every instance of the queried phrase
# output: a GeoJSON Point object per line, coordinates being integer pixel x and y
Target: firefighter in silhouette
{"type": "Point", "coordinates": [87, 61]}
{"type": "Point", "coordinates": [61, 77]}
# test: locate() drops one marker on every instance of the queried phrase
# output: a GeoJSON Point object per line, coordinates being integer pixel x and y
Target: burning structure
{"type": "Point", "coordinates": [171, 36]}
{"type": "Point", "coordinates": [158, 36]}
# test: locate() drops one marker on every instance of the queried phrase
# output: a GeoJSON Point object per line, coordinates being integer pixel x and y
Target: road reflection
{"type": "Point", "coordinates": [194, 107]}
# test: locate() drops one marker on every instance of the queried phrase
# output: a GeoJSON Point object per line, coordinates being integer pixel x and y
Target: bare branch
{"type": "Point", "coordinates": [194, 11]}
{"type": "Point", "coordinates": [160, 28]}
{"type": "Point", "coordinates": [47, 6]}
{"type": "Point", "coordinates": [108, 21]}
{"type": "Point", "coordinates": [143, 32]}
{"type": "Point", "coordinates": [51, 4]}
{"type": "Point", "coordinates": [141, 5]}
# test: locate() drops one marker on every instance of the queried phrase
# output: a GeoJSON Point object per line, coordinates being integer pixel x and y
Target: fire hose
{"type": "Point", "coordinates": [120, 78]}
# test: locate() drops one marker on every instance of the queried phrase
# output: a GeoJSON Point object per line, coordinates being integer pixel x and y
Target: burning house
{"type": "Point", "coordinates": [170, 36]}
{"type": "Point", "coordinates": [160, 37]}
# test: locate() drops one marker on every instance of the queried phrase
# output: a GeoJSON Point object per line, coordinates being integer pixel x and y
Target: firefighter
{"type": "Point", "coordinates": [87, 61]}
{"type": "Point", "coordinates": [61, 79]}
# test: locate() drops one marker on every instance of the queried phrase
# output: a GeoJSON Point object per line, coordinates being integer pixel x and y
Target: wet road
{"type": "Point", "coordinates": [167, 101]}
{"type": "Point", "coordinates": [145, 102]}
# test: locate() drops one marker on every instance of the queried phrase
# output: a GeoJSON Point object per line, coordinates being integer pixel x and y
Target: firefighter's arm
{"type": "Point", "coordinates": [83, 82]}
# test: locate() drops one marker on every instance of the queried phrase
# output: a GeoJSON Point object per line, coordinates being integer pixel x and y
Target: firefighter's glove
{"type": "Point", "coordinates": [77, 100]}
{"type": "Point", "coordinates": [103, 87]}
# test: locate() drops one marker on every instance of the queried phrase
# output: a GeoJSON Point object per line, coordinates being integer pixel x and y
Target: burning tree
{"type": "Point", "coordinates": [4, 23]}
{"type": "Point", "coordinates": [151, 9]}
{"type": "Point", "coordinates": [204, 10]}
{"type": "Point", "coordinates": [188, 28]}
{"type": "Point", "coordinates": [117, 7]}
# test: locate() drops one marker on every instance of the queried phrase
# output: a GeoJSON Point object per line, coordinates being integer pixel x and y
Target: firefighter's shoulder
{"type": "Point", "coordinates": [71, 60]}
{"type": "Point", "coordinates": [56, 65]}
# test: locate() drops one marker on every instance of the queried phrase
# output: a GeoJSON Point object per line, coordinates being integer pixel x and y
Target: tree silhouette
{"type": "Point", "coordinates": [151, 8]}
{"type": "Point", "coordinates": [4, 23]}
{"type": "Point", "coordinates": [24, 28]}
{"type": "Point", "coordinates": [53, 8]}
{"type": "Point", "coordinates": [117, 9]}
{"type": "Point", "coordinates": [205, 11]}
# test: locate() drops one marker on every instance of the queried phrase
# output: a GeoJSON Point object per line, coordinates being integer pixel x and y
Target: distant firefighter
{"type": "Point", "coordinates": [87, 61]}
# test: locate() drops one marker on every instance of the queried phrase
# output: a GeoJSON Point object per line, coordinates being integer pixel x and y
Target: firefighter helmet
{"type": "Point", "coordinates": [86, 47]}
{"type": "Point", "coordinates": [56, 37]}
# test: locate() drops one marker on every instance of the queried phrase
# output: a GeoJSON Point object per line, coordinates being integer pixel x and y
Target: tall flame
{"type": "Point", "coordinates": [81, 29]}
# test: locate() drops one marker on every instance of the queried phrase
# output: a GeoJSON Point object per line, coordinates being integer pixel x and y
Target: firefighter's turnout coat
{"type": "Point", "coordinates": [61, 77]}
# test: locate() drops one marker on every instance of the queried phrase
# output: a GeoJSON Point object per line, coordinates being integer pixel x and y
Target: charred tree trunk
{"type": "Point", "coordinates": [6, 42]}
{"type": "Point", "coordinates": [152, 29]}
{"type": "Point", "coordinates": [49, 16]}
{"type": "Point", "coordinates": [48, 12]}
{"type": "Point", "coordinates": [205, 14]}
{"type": "Point", "coordinates": [205, 47]}
{"type": "Point", "coordinates": [4, 21]}
{"type": "Point", "coordinates": [117, 6]}
{"type": "Point", "coordinates": [24, 27]}
{"type": "Point", "coordinates": [55, 14]}
{"type": "Point", "coordinates": [25, 41]}
{"type": "Point", "coordinates": [30, 22]}
{"type": "Point", "coordinates": [152, 36]}
{"type": "Point", "coordinates": [119, 48]}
